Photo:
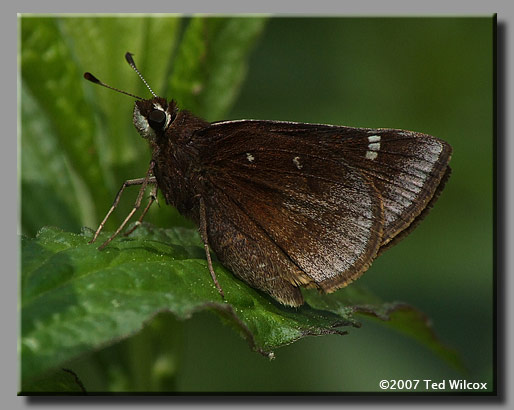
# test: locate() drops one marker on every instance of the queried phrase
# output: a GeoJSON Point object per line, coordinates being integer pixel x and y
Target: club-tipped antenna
{"type": "Point", "coordinates": [130, 60]}
{"type": "Point", "coordinates": [93, 79]}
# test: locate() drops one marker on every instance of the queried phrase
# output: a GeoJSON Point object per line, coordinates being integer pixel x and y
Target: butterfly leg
{"type": "Point", "coordinates": [203, 233]}
{"type": "Point", "coordinates": [148, 179]}
{"type": "Point", "coordinates": [153, 198]}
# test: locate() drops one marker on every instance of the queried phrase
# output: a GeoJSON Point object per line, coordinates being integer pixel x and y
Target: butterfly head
{"type": "Point", "coordinates": [153, 117]}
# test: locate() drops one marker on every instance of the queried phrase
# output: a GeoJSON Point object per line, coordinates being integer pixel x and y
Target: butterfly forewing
{"type": "Point", "coordinates": [405, 167]}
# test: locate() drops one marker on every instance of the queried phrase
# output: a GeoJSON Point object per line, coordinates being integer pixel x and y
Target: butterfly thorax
{"type": "Point", "coordinates": [169, 133]}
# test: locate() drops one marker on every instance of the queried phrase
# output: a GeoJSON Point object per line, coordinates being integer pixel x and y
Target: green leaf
{"type": "Point", "coordinates": [48, 70]}
{"type": "Point", "coordinates": [47, 183]}
{"type": "Point", "coordinates": [76, 298]}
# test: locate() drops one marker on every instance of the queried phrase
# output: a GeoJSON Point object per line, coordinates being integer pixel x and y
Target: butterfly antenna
{"type": "Point", "coordinates": [130, 60]}
{"type": "Point", "coordinates": [93, 79]}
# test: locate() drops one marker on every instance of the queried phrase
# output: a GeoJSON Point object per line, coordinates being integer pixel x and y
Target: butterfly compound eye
{"type": "Point", "coordinates": [157, 119]}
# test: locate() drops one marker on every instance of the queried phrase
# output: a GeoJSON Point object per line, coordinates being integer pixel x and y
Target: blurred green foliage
{"type": "Point", "coordinates": [432, 75]}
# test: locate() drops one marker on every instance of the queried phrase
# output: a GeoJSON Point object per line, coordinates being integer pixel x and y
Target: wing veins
{"type": "Point", "coordinates": [262, 229]}
{"type": "Point", "coordinates": [280, 171]}
{"type": "Point", "coordinates": [318, 206]}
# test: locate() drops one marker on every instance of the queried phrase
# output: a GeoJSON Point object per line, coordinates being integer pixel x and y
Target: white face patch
{"type": "Point", "coordinates": [296, 161]}
{"type": "Point", "coordinates": [250, 157]}
{"type": "Point", "coordinates": [141, 124]}
{"type": "Point", "coordinates": [373, 147]}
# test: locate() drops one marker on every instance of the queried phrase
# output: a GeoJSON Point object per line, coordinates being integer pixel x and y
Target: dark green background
{"type": "Point", "coordinates": [432, 75]}
{"type": "Point", "coordinates": [428, 75]}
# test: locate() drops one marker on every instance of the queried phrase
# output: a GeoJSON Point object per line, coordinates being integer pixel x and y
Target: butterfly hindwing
{"type": "Point", "coordinates": [245, 248]}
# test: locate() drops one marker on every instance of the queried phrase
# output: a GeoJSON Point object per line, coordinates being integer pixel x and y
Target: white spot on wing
{"type": "Point", "coordinates": [373, 147]}
{"type": "Point", "coordinates": [371, 155]}
{"type": "Point", "coordinates": [296, 161]}
{"type": "Point", "coordinates": [250, 157]}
